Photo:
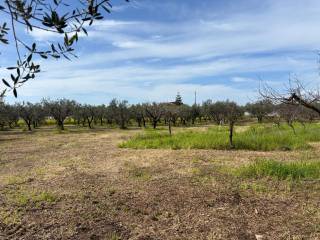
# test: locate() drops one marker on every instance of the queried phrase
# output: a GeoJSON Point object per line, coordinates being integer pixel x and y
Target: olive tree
{"type": "Point", "coordinates": [4, 116]}
{"type": "Point", "coordinates": [260, 109]}
{"type": "Point", "coordinates": [195, 113]}
{"type": "Point", "coordinates": [27, 113]}
{"type": "Point", "coordinates": [77, 114]}
{"type": "Point", "coordinates": [8, 115]}
{"type": "Point", "coordinates": [100, 112]}
{"type": "Point", "coordinates": [184, 113]}
{"type": "Point", "coordinates": [59, 110]}
{"type": "Point", "coordinates": [154, 111]}
{"type": "Point", "coordinates": [120, 112]}
{"type": "Point", "coordinates": [39, 115]}
{"type": "Point", "coordinates": [217, 111]}
{"type": "Point", "coordinates": [138, 113]}
{"type": "Point", "coordinates": [89, 113]}
{"type": "Point", "coordinates": [171, 112]}
{"type": "Point", "coordinates": [231, 114]}
{"type": "Point", "coordinates": [13, 116]}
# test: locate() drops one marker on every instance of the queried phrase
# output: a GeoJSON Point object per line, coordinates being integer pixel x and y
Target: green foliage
{"type": "Point", "coordinates": [281, 170]}
{"type": "Point", "coordinates": [258, 138]}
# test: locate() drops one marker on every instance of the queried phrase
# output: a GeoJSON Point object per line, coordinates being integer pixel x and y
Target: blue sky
{"type": "Point", "coordinates": [149, 50]}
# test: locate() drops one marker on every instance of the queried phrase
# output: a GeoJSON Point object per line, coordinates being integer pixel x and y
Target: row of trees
{"type": "Point", "coordinates": [121, 113]}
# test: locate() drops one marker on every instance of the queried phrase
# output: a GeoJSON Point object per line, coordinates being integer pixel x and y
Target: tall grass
{"type": "Point", "coordinates": [263, 138]}
{"type": "Point", "coordinates": [280, 170]}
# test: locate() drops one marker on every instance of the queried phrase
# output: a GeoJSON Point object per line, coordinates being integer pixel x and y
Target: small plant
{"type": "Point", "coordinates": [44, 197]}
{"type": "Point", "coordinates": [140, 173]}
{"type": "Point", "coordinates": [23, 197]}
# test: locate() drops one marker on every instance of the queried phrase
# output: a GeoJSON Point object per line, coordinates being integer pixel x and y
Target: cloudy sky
{"type": "Point", "coordinates": [149, 50]}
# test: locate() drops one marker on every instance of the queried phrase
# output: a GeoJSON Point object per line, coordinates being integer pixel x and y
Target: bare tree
{"type": "Point", "coordinates": [295, 94]}
{"type": "Point", "coordinates": [289, 113]}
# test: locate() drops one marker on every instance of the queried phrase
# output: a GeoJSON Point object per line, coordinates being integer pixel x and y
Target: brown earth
{"type": "Point", "coordinates": [80, 185]}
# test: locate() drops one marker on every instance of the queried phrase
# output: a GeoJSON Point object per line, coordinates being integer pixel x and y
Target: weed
{"type": "Point", "coordinates": [44, 197]}
{"type": "Point", "coordinates": [23, 197]}
{"type": "Point", "coordinates": [10, 217]}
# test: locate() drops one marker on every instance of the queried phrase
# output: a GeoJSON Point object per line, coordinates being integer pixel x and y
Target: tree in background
{"type": "Point", "coordinates": [138, 113]}
{"type": "Point", "coordinates": [184, 113]}
{"type": "Point", "coordinates": [155, 112]}
{"type": "Point", "coordinates": [27, 112]}
{"type": "Point", "coordinates": [61, 17]}
{"type": "Point", "coordinates": [100, 112]}
{"type": "Point", "coordinates": [289, 113]}
{"type": "Point", "coordinates": [120, 112]}
{"type": "Point", "coordinates": [217, 111]}
{"type": "Point", "coordinates": [170, 114]}
{"type": "Point", "coordinates": [89, 113]}
{"type": "Point", "coordinates": [260, 109]}
{"type": "Point", "coordinates": [39, 115]}
{"type": "Point", "coordinates": [59, 110]}
{"type": "Point", "coordinates": [231, 114]}
{"type": "Point", "coordinates": [178, 100]}
{"type": "Point", "coordinates": [3, 115]}
{"type": "Point", "coordinates": [195, 112]}
{"type": "Point", "coordinates": [296, 94]}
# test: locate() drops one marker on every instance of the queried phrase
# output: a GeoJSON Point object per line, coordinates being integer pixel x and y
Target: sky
{"type": "Point", "coordinates": [149, 50]}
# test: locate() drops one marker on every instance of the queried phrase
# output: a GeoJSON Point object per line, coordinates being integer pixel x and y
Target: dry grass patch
{"type": "Point", "coordinates": [85, 187]}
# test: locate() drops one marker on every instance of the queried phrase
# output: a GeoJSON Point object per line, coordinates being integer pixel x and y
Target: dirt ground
{"type": "Point", "coordinates": [80, 185]}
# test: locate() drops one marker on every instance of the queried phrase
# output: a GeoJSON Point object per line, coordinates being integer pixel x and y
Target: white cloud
{"type": "Point", "coordinates": [242, 80]}
{"type": "Point", "coordinates": [153, 59]}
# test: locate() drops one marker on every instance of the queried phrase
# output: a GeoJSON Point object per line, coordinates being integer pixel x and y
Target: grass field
{"type": "Point", "coordinates": [263, 138]}
{"type": "Point", "coordinates": [79, 184]}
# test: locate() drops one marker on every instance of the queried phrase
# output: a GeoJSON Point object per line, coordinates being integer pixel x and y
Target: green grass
{"type": "Point", "coordinates": [281, 170]}
{"type": "Point", "coordinates": [257, 137]}
{"type": "Point", "coordinates": [23, 197]}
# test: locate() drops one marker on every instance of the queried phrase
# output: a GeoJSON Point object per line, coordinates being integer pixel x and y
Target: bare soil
{"type": "Point", "coordinates": [80, 185]}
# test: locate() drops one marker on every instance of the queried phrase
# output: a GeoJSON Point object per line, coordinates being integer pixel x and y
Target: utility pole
{"type": "Point", "coordinates": [195, 97]}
